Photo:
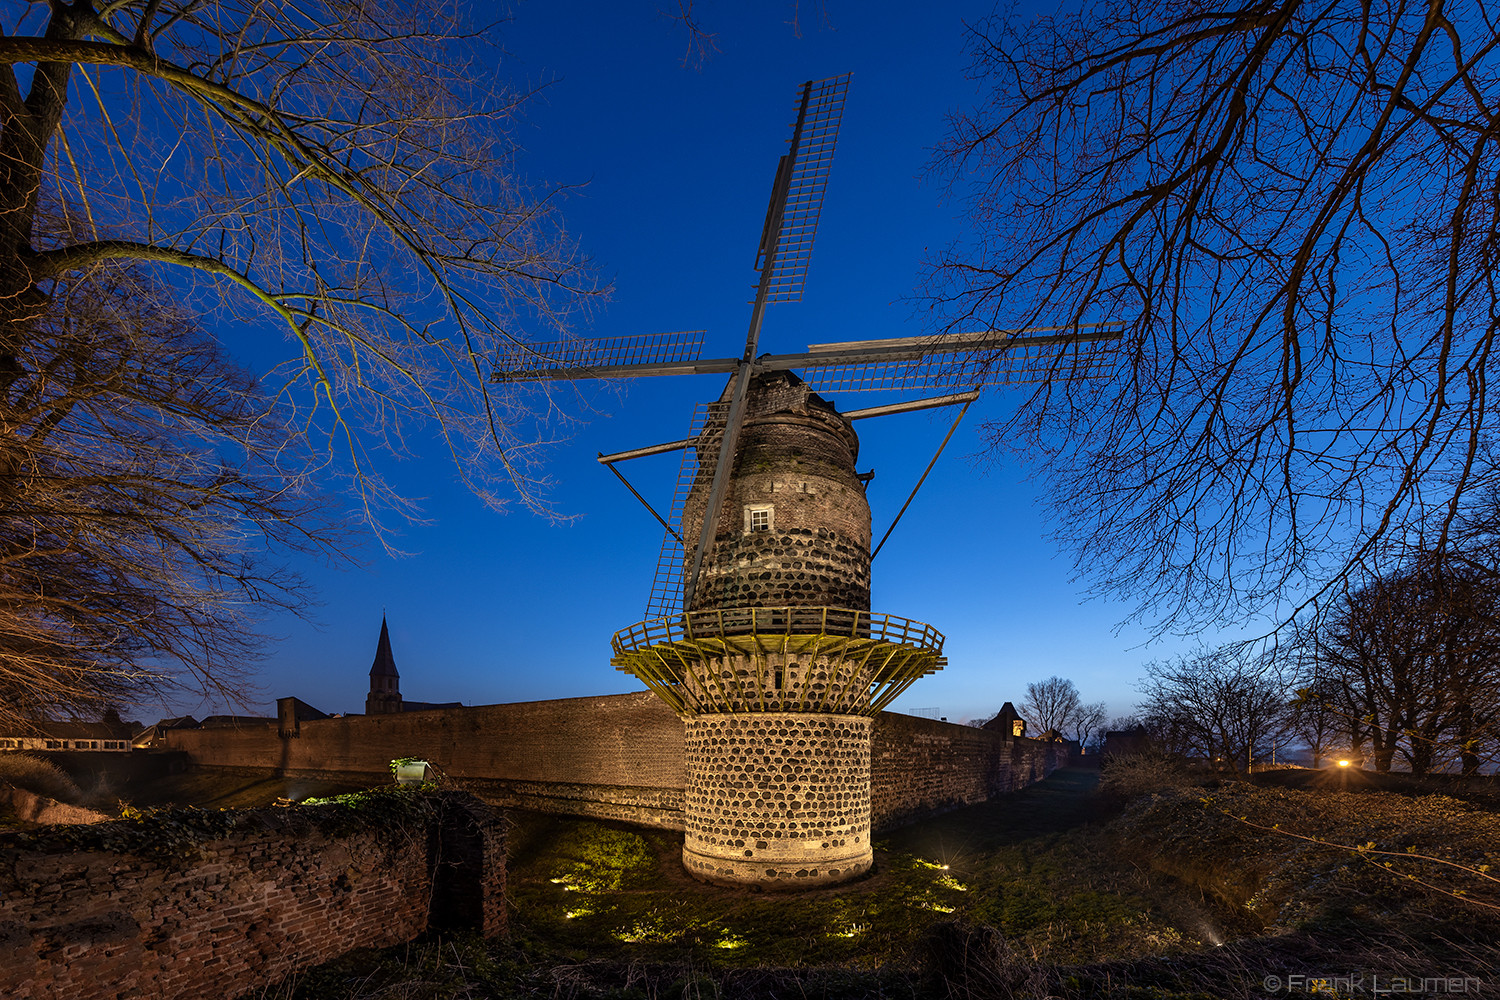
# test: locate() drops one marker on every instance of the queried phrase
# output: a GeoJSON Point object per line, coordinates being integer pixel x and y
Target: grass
{"type": "Point", "coordinates": [39, 777]}
{"type": "Point", "coordinates": [1057, 891]}
{"type": "Point", "coordinates": [226, 788]}
{"type": "Point", "coordinates": [1026, 865]}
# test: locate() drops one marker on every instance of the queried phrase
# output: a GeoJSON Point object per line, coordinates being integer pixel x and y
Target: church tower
{"type": "Point", "coordinates": [385, 684]}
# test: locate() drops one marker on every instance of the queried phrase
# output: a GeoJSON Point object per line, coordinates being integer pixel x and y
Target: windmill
{"type": "Point", "coordinates": [963, 361]}
{"type": "Point", "coordinates": [759, 632]}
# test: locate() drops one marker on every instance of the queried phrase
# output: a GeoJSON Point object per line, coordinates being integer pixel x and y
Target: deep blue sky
{"type": "Point", "coordinates": [676, 164]}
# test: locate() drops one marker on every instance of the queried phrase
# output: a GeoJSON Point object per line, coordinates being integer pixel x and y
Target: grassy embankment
{"type": "Point", "coordinates": [105, 791]}
{"type": "Point", "coordinates": [1167, 884]}
{"type": "Point", "coordinates": [110, 792]}
{"type": "Point", "coordinates": [1158, 888]}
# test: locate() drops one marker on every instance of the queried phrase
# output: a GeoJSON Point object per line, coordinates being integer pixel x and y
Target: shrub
{"type": "Point", "coordinates": [1129, 776]}
{"type": "Point", "coordinates": [39, 776]}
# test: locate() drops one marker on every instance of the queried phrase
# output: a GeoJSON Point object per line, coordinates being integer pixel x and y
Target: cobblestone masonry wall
{"type": "Point", "coordinates": [619, 757]}
{"type": "Point", "coordinates": [777, 799]}
{"type": "Point", "coordinates": [780, 682]}
{"type": "Point", "coordinates": [99, 914]}
{"type": "Point", "coordinates": [787, 567]}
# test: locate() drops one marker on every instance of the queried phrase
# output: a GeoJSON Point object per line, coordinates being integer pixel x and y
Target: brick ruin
{"type": "Point", "coordinates": [777, 666]}
{"type": "Point", "coordinates": [191, 904]}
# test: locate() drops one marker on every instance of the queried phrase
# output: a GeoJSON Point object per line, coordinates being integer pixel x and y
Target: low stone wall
{"type": "Point", "coordinates": [187, 904]}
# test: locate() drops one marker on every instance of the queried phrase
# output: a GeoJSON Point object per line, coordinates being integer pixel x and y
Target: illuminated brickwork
{"type": "Point", "coordinates": [777, 799]}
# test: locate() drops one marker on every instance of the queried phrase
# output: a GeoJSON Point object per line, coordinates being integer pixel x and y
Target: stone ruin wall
{"type": "Point", "coordinates": [616, 757]}
{"type": "Point", "coordinates": [780, 799]}
{"type": "Point", "coordinates": [157, 908]}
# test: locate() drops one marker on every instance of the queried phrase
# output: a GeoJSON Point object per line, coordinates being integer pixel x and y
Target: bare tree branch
{"type": "Point", "coordinates": [1294, 205]}
{"type": "Point", "coordinates": [341, 169]}
{"type": "Point", "coordinates": [145, 484]}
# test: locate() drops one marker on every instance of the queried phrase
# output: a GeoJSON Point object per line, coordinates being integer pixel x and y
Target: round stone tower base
{"type": "Point", "coordinates": [778, 800]}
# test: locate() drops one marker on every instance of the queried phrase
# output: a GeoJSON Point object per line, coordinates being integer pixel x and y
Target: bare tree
{"type": "Point", "coordinates": [1087, 724]}
{"type": "Point", "coordinates": [337, 173]}
{"type": "Point", "coordinates": [1291, 206]}
{"type": "Point", "coordinates": [1223, 705]}
{"type": "Point", "coordinates": [1414, 658]}
{"type": "Point", "coordinates": [1050, 705]}
{"type": "Point", "coordinates": [1321, 720]}
{"type": "Point", "coordinates": [144, 484]}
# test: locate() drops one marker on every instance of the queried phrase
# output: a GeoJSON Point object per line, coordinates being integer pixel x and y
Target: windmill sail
{"type": "Point", "coordinates": [820, 109]}
{"type": "Point", "coordinates": [960, 360]}
{"type": "Point", "coordinates": [666, 586]}
{"type": "Point", "coordinates": [589, 357]}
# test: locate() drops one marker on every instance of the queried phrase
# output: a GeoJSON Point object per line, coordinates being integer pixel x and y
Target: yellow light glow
{"type": "Point", "coordinates": [1343, 763]}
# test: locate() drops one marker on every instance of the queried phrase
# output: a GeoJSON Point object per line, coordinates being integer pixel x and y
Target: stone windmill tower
{"type": "Point", "coordinates": [759, 632]}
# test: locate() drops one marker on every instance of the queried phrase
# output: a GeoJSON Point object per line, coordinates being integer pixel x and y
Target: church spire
{"type": "Point", "coordinates": [385, 663]}
{"type": "Point", "coordinates": [385, 683]}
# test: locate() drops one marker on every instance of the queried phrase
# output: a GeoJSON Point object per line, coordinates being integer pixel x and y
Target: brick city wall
{"type": "Point", "coordinates": [614, 757]}
{"type": "Point", "coordinates": [920, 767]}
{"type": "Point", "coordinates": [778, 799]}
{"type": "Point", "coordinates": [185, 904]}
{"type": "Point", "coordinates": [617, 757]}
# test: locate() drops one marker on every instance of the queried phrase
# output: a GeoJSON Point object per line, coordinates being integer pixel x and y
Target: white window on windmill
{"type": "Point", "coordinates": [760, 517]}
